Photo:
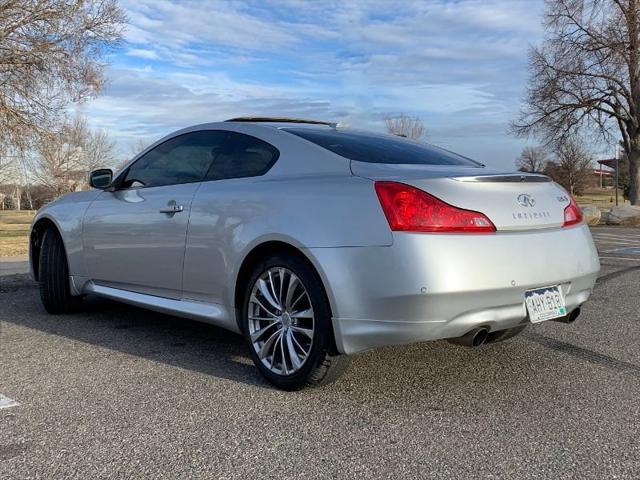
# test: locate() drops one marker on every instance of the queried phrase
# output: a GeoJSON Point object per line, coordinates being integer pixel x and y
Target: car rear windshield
{"type": "Point", "coordinates": [377, 148]}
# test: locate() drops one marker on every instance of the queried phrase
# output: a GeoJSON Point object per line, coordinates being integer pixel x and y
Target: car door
{"type": "Point", "coordinates": [134, 233]}
{"type": "Point", "coordinates": [223, 209]}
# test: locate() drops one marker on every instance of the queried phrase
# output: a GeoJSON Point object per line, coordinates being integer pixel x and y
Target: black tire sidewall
{"type": "Point", "coordinates": [53, 272]}
{"type": "Point", "coordinates": [322, 336]}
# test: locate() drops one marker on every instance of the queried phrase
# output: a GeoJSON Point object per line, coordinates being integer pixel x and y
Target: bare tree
{"type": "Point", "coordinates": [532, 160]}
{"type": "Point", "coordinates": [6, 166]}
{"type": "Point", "coordinates": [50, 55]}
{"type": "Point", "coordinates": [406, 126]}
{"type": "Point", "coordinates": [62, 162]}
{"type": "Point", "coordinates": [98, 150]}
{"type": "Point", "coordinates": [10, 176]}
{"type": "Point", "coordinates": [12, 172]}
{"type": "Point", "coordinates": [586, 74]}
{"type": "Point", "coordinates": [20, 179]}
{"type": "Point", "coordinates": [135, 148]}
{"type": "Point", "coordinates": [138, 146]}
{"type": "Point", "coordinates": [572, 167]}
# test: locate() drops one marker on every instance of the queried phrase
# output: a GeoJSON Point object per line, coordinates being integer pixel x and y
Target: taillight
{"type": "Point", "coordinates": [410, 209]}
{"type": "Point", "coordinates": [572, 213]}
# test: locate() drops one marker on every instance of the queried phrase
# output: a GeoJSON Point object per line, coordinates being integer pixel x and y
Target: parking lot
{"type": "Point", "coordinates": [119, 392]}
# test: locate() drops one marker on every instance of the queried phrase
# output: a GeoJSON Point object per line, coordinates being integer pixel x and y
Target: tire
{"type": "Point", "coordinates": [503, 335]}
{"type": "Point", "coordinates": [53, 276]}
{"type": "Point", "coordinates": [322, 364]}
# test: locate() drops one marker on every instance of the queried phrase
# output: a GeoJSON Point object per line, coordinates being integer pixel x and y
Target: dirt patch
{"type": "Point", "coordinates": [13, 246]}
{"type": "Point", "coordinates": [14, 232]}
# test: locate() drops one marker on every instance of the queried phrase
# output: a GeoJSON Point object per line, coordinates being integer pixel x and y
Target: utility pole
{"type": "Point", "coordinates": [617, 173]}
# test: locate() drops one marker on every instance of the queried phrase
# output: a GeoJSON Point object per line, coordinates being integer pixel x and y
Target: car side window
{"type": "Point", "coordinates": [242, 156]}
{"type": "Point", "coordinates": [182, 159]}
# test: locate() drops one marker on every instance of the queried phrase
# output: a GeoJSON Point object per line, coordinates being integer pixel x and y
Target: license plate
{"type": "Point", "coordinates": [544, 304]}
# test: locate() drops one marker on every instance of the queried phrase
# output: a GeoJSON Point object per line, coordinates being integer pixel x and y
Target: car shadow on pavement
{"type": "Point", "coordinates": [582, 353]}
{"type": "Point", "coordinates": [162, 338]}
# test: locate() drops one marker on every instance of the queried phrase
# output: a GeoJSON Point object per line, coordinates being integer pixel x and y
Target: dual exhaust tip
{"type": "Point", "coordinates": [478, 336]}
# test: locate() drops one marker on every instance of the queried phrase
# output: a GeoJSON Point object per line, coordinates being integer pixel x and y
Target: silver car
{"type": "Point", "coordinates": [316, 242]}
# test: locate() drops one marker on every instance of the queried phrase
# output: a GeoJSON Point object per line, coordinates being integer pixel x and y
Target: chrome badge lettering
{"type": "Point", "coordinates": [526, 200]}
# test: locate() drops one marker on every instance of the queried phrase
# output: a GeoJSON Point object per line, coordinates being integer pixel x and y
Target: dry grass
{"type": "Point", "coordinates": [14, 232]}
{"type": "Point", "coordinates": [603, 199]}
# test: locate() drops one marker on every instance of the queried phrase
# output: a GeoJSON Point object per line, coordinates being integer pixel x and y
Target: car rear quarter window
{"type": "Point", "coordinates": [241, 156]}
{"type": "Point", "coordinates": [380, 148]}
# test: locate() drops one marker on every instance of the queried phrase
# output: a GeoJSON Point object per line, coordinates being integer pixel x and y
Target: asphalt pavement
{"type": "Point", "coordinates": [14, 265]}
{"type": "Point", "coordinates": [119, 392]}
{"type": "Point", "coordinates": [617, 242]}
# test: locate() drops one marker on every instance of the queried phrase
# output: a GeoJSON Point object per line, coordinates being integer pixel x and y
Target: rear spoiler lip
{"type": "Point", "coordinates": [504, 178]}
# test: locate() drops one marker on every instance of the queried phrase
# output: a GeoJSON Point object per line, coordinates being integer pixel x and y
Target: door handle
{"type": "Point", "coordinates": [172, 208]}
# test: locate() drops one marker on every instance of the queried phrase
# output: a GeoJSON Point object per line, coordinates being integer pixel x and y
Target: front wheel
{"type": "Point", "coordinates": [53, 276]}
{"type": "Point", "coordinates": [287, 323]}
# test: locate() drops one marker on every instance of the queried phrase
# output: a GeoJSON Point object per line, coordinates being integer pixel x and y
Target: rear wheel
{"type": "Point", "coordinates": [53, 275]}
{"type": "Point", "coordinates": [287, 323]}
{"type": "Point", "coordinates": [502, 335]}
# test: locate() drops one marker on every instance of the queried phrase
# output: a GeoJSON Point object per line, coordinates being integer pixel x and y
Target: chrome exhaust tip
{"type": "Point", "coordinates": [473, 338]}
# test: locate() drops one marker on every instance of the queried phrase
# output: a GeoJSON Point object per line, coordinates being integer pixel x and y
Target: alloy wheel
{"type": "Point", "coordinates": [281, 320]}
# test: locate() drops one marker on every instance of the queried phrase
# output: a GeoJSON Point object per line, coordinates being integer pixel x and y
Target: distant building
{"type": "Point", "coordinates": [606, 173]}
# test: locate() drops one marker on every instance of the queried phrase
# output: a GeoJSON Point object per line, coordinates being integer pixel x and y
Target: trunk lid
{"type": "Point", "coordinates": [512, 201]}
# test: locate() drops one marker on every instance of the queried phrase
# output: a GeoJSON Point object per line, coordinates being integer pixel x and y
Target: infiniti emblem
{"type": "Point", "coordinates": [526, 200]}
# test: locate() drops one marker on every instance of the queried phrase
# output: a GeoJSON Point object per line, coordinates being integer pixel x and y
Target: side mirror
{"type": "Point", "coordinates": [101, 178]}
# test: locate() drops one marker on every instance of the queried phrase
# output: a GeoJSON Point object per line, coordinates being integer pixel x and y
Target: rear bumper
{"type": "Point", "coordinates": [434, 286]}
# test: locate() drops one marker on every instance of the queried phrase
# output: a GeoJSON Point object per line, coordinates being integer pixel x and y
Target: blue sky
{"type": "Point", "coordinates": [460, 65]}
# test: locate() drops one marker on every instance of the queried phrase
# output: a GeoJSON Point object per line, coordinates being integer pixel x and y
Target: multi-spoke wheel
{"type": "Point", "coordinates": [287, 321]}
{"type": "Point", "coordinates": [280, 320]}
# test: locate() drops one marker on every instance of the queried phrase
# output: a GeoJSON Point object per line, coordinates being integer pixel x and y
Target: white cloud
{"type": "Point", "coordinates": [461, 65]}
{"type": "Point", "coordinates": [143, 53]}
{"type": "Point", "coordinates": [176, 24]}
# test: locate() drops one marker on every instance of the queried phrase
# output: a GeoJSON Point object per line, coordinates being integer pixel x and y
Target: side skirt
{"type": "Point", "coordinates": [212, 313]}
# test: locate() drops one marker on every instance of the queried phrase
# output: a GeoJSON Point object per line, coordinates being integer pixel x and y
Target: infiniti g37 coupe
{"type": "Point", "coordinates": [316, 242]}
